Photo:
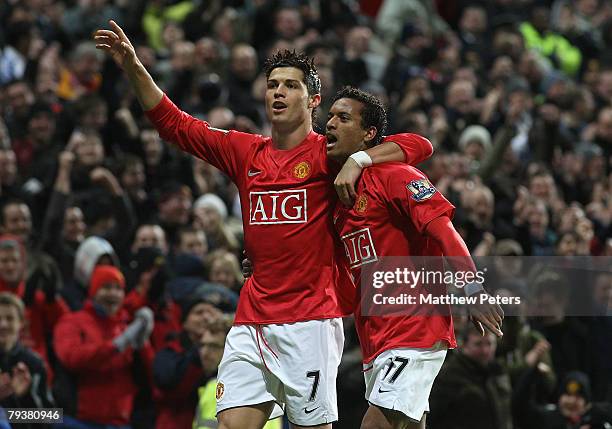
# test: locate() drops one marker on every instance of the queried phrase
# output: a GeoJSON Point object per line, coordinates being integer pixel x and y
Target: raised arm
{"type": "Point", "coordinates": [406, 147]}
{"type": "Point", "coordinates": [119, 47]}
{"type": "Point", "coordinates": [221, 148]}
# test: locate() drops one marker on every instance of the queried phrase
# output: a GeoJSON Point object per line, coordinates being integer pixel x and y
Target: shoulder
{"type": "Point", "coordinates": [32, 359]}
{"type": "Point", "coordinates": [392, 174]}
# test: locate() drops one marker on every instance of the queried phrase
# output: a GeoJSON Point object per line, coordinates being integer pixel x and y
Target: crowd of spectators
{"type": "Point", "coordinates": [119, 255]}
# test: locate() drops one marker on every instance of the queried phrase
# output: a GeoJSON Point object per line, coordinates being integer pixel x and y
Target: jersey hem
{"type": "Point", "coordinates": [451, 345]}
{"type": "Point", "coordinates": [288, 321]}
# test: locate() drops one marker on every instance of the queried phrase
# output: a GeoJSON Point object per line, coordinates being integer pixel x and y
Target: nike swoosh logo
{"type": "Point", "coordinates": [253, 173]}
{"type": "Point", "coordinates": [382, 391]}
{"type": "Point", "coordinates": [307, 411]}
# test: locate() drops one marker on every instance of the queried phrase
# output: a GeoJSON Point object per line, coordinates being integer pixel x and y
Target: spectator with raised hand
{"type": "Point", "coordinates": [23, 377]}
{"type": "Point", "coordinates": [98, 351]}
{"type": "Point", "coordinates": [64, 225]}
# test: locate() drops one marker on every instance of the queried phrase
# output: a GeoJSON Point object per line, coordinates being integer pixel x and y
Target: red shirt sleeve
{"type": "Point", "coordinates": [412, 195]}
{"type": "Point", "coordinates": [416, 148]}
{"type": "Point", "coordinates": [225, 149]}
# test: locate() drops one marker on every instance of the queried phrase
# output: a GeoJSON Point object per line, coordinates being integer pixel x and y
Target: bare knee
{"type": "Point", "coordinates": [375, 419]}
{"type": "Point", "coordinates": [323, 426]}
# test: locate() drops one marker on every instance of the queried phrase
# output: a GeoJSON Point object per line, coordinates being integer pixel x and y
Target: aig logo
{"type": "Point", "coordinates": [274, 207]}
{"type": "Point", "coordinates": [359, 247]}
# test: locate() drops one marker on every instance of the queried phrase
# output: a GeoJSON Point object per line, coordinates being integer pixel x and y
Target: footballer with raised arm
{"type": "Point", "coordinates": [286, 344]}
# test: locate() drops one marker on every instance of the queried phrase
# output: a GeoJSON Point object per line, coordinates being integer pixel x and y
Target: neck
{"type": "Point", "coordinates": [288, 137]}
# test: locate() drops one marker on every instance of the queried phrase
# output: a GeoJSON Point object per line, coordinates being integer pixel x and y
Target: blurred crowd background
{"type": "Point", "coordinates": [100, 219]}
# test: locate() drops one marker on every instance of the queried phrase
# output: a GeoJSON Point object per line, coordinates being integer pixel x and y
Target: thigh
{"type": "Point", "coordinates": [242, 380]}
{"type": "Point", "coordinates": [382, 418]}
{"type": "Point", "coordinates": [401, 380]}
{"type": "Point", "coordinates": [308, 355]}
{"type": "Point", "coordinates": [247, 417]}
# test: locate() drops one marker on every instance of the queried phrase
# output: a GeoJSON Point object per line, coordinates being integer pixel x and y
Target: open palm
{"type": "Point", "coordinates": [117, 45]}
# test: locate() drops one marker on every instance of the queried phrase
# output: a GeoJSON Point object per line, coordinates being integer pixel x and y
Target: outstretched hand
{"type": "Point", "coordinates": [487, 316]}
{"type": "Point", "coordinates": [117, 45]}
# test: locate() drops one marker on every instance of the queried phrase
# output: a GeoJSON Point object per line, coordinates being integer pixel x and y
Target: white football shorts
{"type": "Point", "coordinates": [401, 379]}
{"type": "Point", "coordinates": [294, 364]}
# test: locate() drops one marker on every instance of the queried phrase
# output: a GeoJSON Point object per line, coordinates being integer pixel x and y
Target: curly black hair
{"type": "Point", "coordinates": [373, 113]}
{"type": "Point", "coordinates": [286, 58]}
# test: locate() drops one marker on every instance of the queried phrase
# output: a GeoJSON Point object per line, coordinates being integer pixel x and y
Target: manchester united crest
{"type": "Point", "coordinates": [220, 391]}
{"type": "Point", "coordinates": [361, 204]}
{"type": "Point", "coordinates": [301, 170]}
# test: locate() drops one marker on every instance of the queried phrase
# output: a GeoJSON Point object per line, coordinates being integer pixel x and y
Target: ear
{"type": "Point", "coordinates": [314, 101]}
{"type": "Point", "coordinates": [370, 135]}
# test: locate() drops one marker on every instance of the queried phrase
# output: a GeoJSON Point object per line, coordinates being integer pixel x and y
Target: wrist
{"type": "Point", "coordinates": [362, 159]}
{"type": "Point", "coordinates": [473, 289]}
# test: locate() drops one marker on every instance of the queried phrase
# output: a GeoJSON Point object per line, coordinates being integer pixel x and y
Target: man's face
{"type": "Point", "coordinates": [42, 127]}
{"type": "Point", "coordinates": [199, 317]}
{"type": "Point", "coordinates": [175, 210]}
{"type": "Point", "coordinates": [134, 178]}
{"type": "Point", "coordinates": [11, 266]}
{"type": "Point", "coordinates": [193, 243]}
{"type": "Point", "coordinates": [572, 406]}
{"type": "Point", "coordinates": [74, 224]}
{"type": "Point", "coordinates": [8, 167]}
{"type": "Point", "coordinates": [344, 131]}
{"type": "Point", "coordinates": [20, 98]}
{"type": "Point", "coordinates": [150, 236]}
{"type": "Point", "coordinates": [110, 298]}
{"type": "Point", "coordinates": [10, 325]}
{"type": "Point", "coordinates": [481, 349]}
{"type": "Point", "coordinates": [287, 101]}
{"type": "Point", "coordinates": [17, 221]}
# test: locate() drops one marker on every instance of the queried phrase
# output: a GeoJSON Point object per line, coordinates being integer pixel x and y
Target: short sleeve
{"type": "Point", "coordinates": [411, 194]}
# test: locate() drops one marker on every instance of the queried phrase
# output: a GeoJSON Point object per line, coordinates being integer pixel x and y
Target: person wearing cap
{"type": "Point", "coordinates": [96, 350]}
{"type": "Point", "coordinates": [92, 251]}
{"type": "Point", "coordinates": [574, 408]}
{"type": "Point", "coordinates": [177, 371]}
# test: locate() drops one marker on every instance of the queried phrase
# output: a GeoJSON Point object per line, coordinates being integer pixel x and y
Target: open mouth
{"type": "Point", "coordinates": [331, 140]}
{"type": "Point", "coordinates": [278, 106]}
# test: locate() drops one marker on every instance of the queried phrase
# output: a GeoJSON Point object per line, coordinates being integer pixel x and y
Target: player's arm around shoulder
{"type": "Point", "coordinates": [406, 148]}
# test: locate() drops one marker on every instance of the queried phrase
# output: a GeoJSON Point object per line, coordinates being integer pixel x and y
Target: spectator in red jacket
{"type": "Point", "coordinates": [99, 349]}
{"type": "Point", "coordinates": [42, 308]}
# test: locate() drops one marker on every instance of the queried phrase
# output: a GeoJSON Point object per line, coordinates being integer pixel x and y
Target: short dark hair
{"type": "Point", "coordinates": [287, 58]}
{"type": "Point", "coordinates": [12, 201]}
{"type": "Point", "coordinates": [373, 113]}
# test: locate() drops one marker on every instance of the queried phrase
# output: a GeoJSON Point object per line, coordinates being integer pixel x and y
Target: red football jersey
{"type": "Point", "coordinates": [394, 204]}
{"type": "Point", "coordinates": [287, 198]}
